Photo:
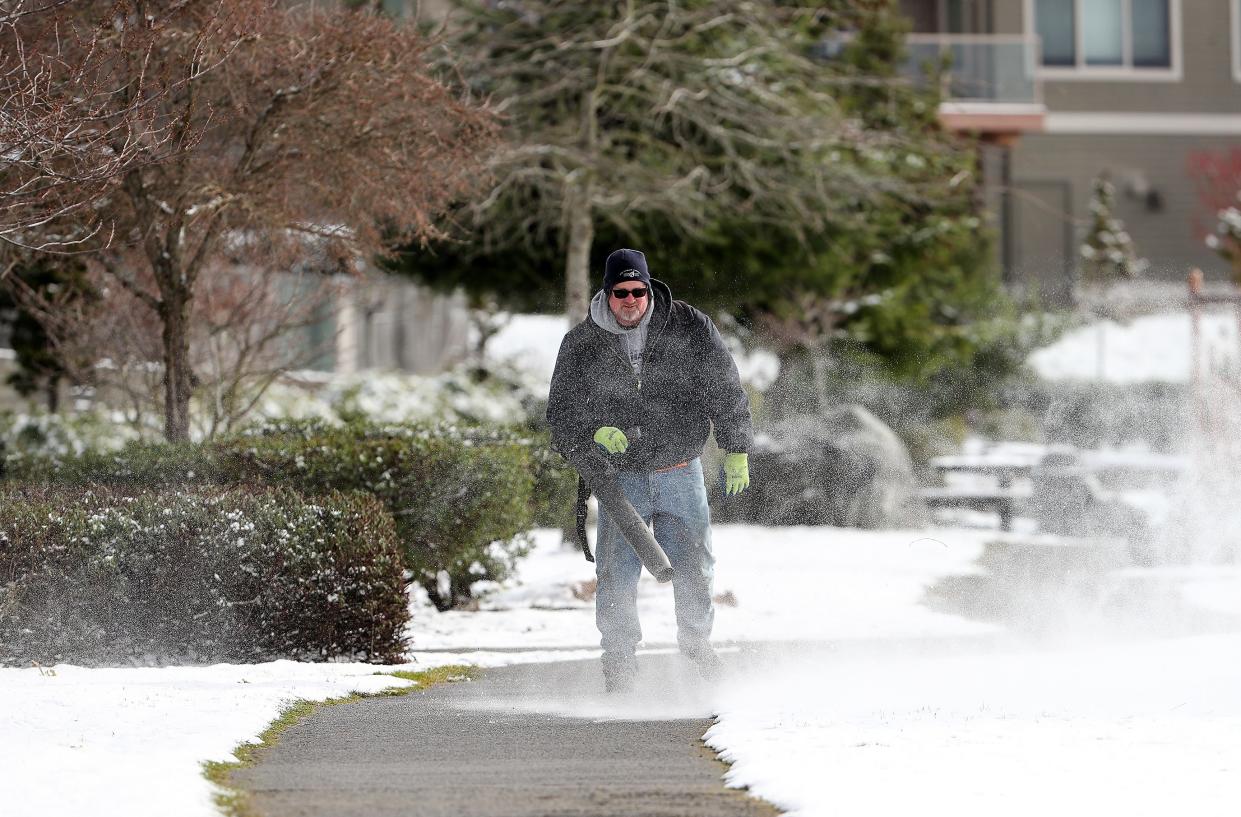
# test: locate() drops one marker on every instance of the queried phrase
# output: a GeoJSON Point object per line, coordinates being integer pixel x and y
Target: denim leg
{"type": "Point", "coordinates": [617, 569]}
{"type": "Point", "coordinates": [682, 526]}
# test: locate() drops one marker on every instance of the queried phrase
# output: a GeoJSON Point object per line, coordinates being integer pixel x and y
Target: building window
{"type": "Point", "coordinates": [1127, 36]}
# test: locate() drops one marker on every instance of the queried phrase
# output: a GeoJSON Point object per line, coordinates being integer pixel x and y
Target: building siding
{"type": "Point", "coordinates": [1171, 237]}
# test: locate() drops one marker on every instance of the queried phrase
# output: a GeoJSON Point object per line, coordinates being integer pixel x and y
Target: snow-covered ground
{"type": "Point", "coordinates": [1141, 728]}
{"type": "Point", "coordinates": [129, 742]}
{"type": "Point", "coordinates": [1153, 348]}
{"type": "Point", "coordinates": [961, 724]}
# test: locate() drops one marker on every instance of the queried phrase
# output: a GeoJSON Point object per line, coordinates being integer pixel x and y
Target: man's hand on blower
{"type": "Point", "coordinates": [736, 473]}
{"type": "Point", "coordinates": [612, 439]}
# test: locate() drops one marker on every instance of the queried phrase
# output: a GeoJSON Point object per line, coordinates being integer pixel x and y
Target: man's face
{"type": "Point", "coordinates": [625, 304]}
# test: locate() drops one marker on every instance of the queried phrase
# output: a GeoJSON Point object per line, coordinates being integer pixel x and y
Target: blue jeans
{"type": "Point", "coordinates": [676, 502]}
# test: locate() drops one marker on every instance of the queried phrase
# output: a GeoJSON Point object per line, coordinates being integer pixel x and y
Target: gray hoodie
{"type": "Point", "coordinates": [632, 340]}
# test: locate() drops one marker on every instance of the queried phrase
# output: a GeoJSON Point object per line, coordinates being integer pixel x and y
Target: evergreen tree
{"type": "Point", "coordinates": [626, 114]}
{"type": "Point", "coordinates": [1108, 253]}
{"type": "Point", "coordinates": [1226, 240]}
{"type": "Point", "coordinates": [897, 272]}
{"type": "Point", "coordinates": [1108, 256]}
{"type": "Point", "coordinates": [53, 279]}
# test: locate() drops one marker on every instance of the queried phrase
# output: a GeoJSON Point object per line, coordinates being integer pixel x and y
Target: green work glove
{"type": "Point", "coordinates": [736, 473]}
{"type": "Point", "coordinates": [612, 439]}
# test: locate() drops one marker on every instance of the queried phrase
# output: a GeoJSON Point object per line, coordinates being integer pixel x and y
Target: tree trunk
{"type": "Point", "coordinates": [174, 313]}
{"type": "Point", "coordinates": [577, 259]}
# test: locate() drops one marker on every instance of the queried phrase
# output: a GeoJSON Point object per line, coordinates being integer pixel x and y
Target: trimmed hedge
{"type": "Point", "coordinates": [239, 574]}
{"type": "Point", "coordinates": [460, 497]}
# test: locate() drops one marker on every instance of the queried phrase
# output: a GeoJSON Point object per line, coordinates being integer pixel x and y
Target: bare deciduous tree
{"type": "Point", "coordinates": [74, 119]}
{"type": "Point", "coordinates": [247, 329]}
{"type": "Point", "coordinates": [300, 123]}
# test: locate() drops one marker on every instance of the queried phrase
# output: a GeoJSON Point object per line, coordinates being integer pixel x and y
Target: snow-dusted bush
{"type": "Point", "coordinates": [461, 496]}
{"type": "Point", "coordinates": [35, 439]}
{"type": "Point", "coordinates": [108, 575]}
{"type": "Point", "coordinates": [1108, 252]}
{"type": "Point", "coordinates": [464, 394]}
{"type": "Point", "coordinates": [143, 464]}
{"type": "Point", "coordinates": [1226, 240]}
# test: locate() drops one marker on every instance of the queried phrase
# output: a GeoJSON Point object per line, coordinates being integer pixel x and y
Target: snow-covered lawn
{"type": "Point", "coordinates": [1147, 349]}
{"type": "Point", "coordinates": [1137, 728]}
{"type": "Point", "coordinates": [790, 584]}
{"type": "Point", "coordinates": [104, 742]}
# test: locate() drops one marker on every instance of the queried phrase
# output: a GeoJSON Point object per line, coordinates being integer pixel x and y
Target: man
{"type": "Point", "coordinates": [638, 385]}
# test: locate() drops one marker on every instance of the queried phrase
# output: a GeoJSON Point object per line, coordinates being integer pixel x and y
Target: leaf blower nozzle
{"type": "Point", "coordinates": [612, 499]}
{"type": "Point", "coordinates": [606, 487]}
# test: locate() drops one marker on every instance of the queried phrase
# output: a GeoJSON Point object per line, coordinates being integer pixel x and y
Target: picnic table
{"type": "Point", "coordinates": [1060, 486]}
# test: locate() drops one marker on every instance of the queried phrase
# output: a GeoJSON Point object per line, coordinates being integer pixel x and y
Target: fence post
{"type": "Point", "coordinates": [1195, 348]}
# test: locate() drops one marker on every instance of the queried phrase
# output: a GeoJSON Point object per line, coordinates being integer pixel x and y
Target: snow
{"type": "Point", "coordinates": [1147, 729]}
{"type": "Point", "coordinates": [531, 342]}
{"type": "Point", "coordinates": [855, 686]}
{"type": "Point", "coordinates": [1153, 348]}
{"type": "Point", "coordinates": [130, 741]}
{"type": "Point", "coordinates": [865, 584]}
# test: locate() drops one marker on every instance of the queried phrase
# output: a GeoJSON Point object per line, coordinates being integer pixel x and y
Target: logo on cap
{"type": "Point", "coordinates": [631, 273]}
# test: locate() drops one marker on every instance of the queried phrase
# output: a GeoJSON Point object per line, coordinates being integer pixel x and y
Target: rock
{"type": "Point", "coordinates": [846, 468]}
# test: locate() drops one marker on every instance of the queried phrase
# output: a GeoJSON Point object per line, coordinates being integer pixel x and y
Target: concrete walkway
{"type": "Point", "coordinates": [538, 740]}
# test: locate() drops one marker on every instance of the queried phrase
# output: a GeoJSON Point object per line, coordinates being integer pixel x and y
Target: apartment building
{"type": "Point", "coordinates": [1062, 90]}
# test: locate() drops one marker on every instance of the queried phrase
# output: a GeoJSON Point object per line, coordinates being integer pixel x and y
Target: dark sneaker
{"type": "Point", "coordinates": [619, 676]}
{"type": "Point", "coordinates": [708, 662]}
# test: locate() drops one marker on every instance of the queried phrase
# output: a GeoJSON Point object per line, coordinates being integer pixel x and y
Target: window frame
{"type": "Point", "coordinates": [1127, 72]}
{"type": "Point", "coordinates": [1234, 37]}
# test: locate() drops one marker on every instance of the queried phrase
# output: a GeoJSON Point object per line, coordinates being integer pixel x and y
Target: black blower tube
{"type": "Point", "coordinates": [612, 499]}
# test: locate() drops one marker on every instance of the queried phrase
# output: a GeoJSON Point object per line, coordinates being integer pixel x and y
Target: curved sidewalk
{"type": "Point", "coordinates": [537, 740]}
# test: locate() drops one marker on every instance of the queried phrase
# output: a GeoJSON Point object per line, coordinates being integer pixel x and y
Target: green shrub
{"type": "Point", "coordinates": [460, 497]}
{"type": "Point", "coordinates": [145, 464]}
{"type": "Point", "coordinates": [555, 487]}
{"type": "Point", "coordinates": [108, 575]}
{"type": "Point", "coordinates": [39, 440]}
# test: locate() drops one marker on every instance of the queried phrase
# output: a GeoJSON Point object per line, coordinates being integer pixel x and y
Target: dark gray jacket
{"type": "Point", "coordinates": [688, 384]}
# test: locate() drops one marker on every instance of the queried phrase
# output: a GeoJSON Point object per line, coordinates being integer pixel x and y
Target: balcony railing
{"type": "Point", "coordinates": [993, 69]}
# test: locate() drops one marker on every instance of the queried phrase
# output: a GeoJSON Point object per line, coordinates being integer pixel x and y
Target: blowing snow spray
{"type": "Point", "coordinates": [607, 489]}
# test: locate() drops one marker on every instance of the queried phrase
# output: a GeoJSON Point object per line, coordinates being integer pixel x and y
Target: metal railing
{"type": "Point", "coordinates": [977, 68]}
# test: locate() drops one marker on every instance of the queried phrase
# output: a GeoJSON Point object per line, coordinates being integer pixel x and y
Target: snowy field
{"type": "Point", "coordinates": [1143, 727]}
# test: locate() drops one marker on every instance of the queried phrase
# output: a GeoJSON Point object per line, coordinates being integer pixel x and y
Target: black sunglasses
{"type": "Point", "coordinates": [623, 294]}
